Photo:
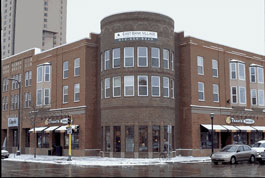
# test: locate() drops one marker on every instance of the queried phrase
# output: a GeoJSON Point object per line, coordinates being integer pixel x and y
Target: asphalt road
{"type": "Point", "coordinates": [22, 169]}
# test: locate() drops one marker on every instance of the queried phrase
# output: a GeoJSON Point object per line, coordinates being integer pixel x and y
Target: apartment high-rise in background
{"type": "Point", "coordinates": [32, 24]}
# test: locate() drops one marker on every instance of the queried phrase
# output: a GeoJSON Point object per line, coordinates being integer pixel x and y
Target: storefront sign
{"type": "Point", "coordinates": [230, 120]}
{"type": "Point", "coordinates": [49, 121]}
{"type": "Point", "coordinates": [12, 122]}
{"type": "Point", "coordinates": [135, 35]}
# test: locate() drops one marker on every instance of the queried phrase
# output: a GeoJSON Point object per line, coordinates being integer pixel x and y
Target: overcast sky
{"type": "Point", "coordinates": [234, 23]}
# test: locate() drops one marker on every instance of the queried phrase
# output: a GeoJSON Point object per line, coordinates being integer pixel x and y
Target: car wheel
{"type": "Point", "coordinates": [252, 159]}
{"type": "Point", "coordinates": [233, 160]}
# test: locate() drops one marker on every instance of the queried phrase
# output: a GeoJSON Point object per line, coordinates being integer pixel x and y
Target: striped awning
{"type": "Point", "coordinates": [62, 129]}
{"type": "Point", "coordinates": [50, 129]}
{"type": "Point", "coordinates": [259, 128]}
{"type": "Point", "coordinates": [37, 129]}
{"type": "Point", "coordinates": [246, 128]}
{"type": "Point", "coordinates": [231, 128]}
{"type": "Point", "coordinates": [217, 128]}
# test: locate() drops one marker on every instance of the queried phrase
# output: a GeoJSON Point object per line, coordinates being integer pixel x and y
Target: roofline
{"type": "Point", "coordinates": [36, 51]}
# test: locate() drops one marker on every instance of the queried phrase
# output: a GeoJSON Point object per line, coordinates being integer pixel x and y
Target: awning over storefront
{"type": "Point", "coordinates": [216, 128]}
{"type": "Point", "coordinates": [246, 128]}
{"type": "Point", "coordinates": [231, 128]}
{"type": "Point", "coordinates": [259, 128]}
{"type": "Point", "coordinates": [62, 129]}
{"type": "Point", "coordinates": [50, 129]}
{"type": "Point", "coordinates": [37, 129]}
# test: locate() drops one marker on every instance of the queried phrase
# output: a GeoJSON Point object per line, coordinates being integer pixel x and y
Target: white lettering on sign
{"type": "Point", "coordinates": [135, 35]}
{"type": "Point", "coordinates": [245, 121]}
{"type": "Point", "coordinates": [12, 122]}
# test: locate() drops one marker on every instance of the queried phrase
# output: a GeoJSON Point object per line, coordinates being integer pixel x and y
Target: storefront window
{"type": "Point", "coordinates": [14, 138]}
{"type": "Point", "coordinates": [255, 137]}
{"type": "Point", "coordinates": [117, 139]}
{"type": "Point", "coordinates": [241, 138]}
{"type": "Point", "coordinates": [143, 138]}
{"type": "Point", "coordinates": [74, 141]}
{"type": "Point", "coordinates": [107, 138]}
{"type": "Point", "coordinates": [42, 140]}
{"type": "Point", "coordinates": [27, 138]}
{"type": "Point", "coordinates": [156, 138]}
{"type": "Point", "coordinates": [129, 130]}
{"type": "Point", "coordinates": [206, 140]}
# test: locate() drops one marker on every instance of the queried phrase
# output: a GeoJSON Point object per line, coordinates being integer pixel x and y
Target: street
{"type": "Point", "coordinates": [22, 169]}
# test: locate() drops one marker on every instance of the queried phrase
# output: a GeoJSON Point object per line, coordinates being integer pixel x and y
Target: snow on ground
{"type": "Point", "coordinates": [100, 161]}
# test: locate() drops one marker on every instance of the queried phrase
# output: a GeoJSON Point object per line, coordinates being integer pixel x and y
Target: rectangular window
{"type": "Point", "coordinates": [107, 87]}
{"type": "Point", "coordinates": [253, 97]}
{"type": "Point", "coordinates": [233, 71]}
{"type": "Point", "coordinates": [165, 87]}
{"type": "Point", "coordinates": [156, 138]}
{"type": "Point", "coordinates": [252, 71]}
{"type": "Point", "coordinates": [102, 89]}
{"type": "Point", "coordinates": [116, 58]}
{"type": "Point", "coordinates": [26, 100]}
{"type": "Point", "coordinates": [116, 139]}
{"type": "Point", "coordinates": [165, 58]}
{"type": "Point", "coordinates": [65, 94]}
{"type": "Point", "coordinates": [172, 89]}
{"type": "Point", "coordinates": [29, 99]}
{"type": "Point", "coordinates": [143, 138]}
{"type": "Point", "coordinates": [46, 96]}
{"type": "Point", "coordinates": [260, 75]}
{"type": "Point", "coordinates": [155, 57]}
{"type": "Point", "coordinates": [155, 82]}
{"type": "Point", "coordinates": [142, 85]}
{"type": "Point", "coordinates": [129, 85]}
{"type": "Point", "coordinates": [77, 67]}
{"type": "Point", "coordinates": [107, 139]}
{"type": "Point", "coordinates": [107, 60]}
{"type": "Point", "coordinates": [201, 91]}
{"type": "Point", "coordinates": [242, 93]}
{"type": "Point", "coordinates": [129, 139]}
{"type": "Point", "coordinates": [215, 93]}
{"type": "Point", "coordinates": [215, 68]}
{"type": "Point", "coordinates": [77, 92]}
{"type": "Point", "coordinates": [39, 97]}
{"type": "Point", "coordinates": [172, 61]}
{"type": "Point", "coordinates": [200, 68]}
{"type": "Point", "coordinates": [74, 141]}
{"type": "Point", "coordinates": [241, 71]}
{"type": "Point", "coordinates": [26, 79]}
{"type": "Point", "coordinates": [65, 70]}
{"type": "Point", "coordinates": [142, 57]}
{"type": "Point", "coordinates": [116, 86]}
{"type": "Point", "coordinates": [234, 95]}
{"type": "Point", "coordinates": [30, 78]}
{"type": "Point", "coordinates": [128, 57]}
{"type": "Point", "coordinates": [39, 74]}
{"type": "Point", "coordinates": [261, 97]}
{"type": "Point", "coordinates": [47, 73]}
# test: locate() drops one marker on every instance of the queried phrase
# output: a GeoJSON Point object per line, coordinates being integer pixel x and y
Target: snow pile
{"type": "Point", "coordinates": [100, 161]}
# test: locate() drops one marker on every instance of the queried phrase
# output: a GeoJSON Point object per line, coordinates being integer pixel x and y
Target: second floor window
{"type": "Point", "coordinates": [107, 87]}
{"type": "Point", "coordinates": [165, 86]}
{"type": "Point", "coordinates": [77, 67]}
{"type": "Point", "coordinates": [5, 84]}
{"type": "Point", "coordinates": [233, 71]}
{"type": "Point", "coordinates": [165, 59]}
{"type": "Point", "coordinates": [142, 85]}
{"type": "Point", "coordinates": [260, 75]}
{"type": "Point", "coordinates": [253, 97]}
{"type": "Point", "coordinates": [39, 74]}
{"type": "Point", "coordinates": [252, 71]}
{"type": "Point", "coordinates": [27, 100]}
{"type": "Point", "coordinates": [65, 70]}
{"type": "Point", "coordinates": [234, 95]}
{"type": "Point", "coordinates": [261, 97]}
{"type": "Point", "coordinates": [46, 96]}
{"type": "Point", "coordinates": [155, 57]}
{"type": "Point", "coordinates": [215, 93]}
{"type": "Point", "coordinates": [201, 91]}
{"type": "Point", "coordinates": [65, 94]}
{"type": "Point", "coordinates": [241, 71]}
{"type": "Point", "coordinates": [116, 86]}
{"type": "Point", "coordinates": [116, 58]}
{"type": "Point", "coordinates": [77, 92]}
{"type": "Point", "coordinates": [107, 60]}
{"type": "Point", "coordinates": [5, 103]}
{"type": "Point", "coordinates": [200, 68]}
{"type": "Point", "coordinates": [47, 73]}
{"type": "Point", "coordinates": [242, 94]}
{"type": "Point", "coordinates": [129, 85]}
{"type": "Point", "coordinates": [215, 68]}
{"type": "Point", "coordinates": [39, 97]}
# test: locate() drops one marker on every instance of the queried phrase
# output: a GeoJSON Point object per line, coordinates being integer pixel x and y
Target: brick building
{"type": "Point", "coordinates": [132, 90]}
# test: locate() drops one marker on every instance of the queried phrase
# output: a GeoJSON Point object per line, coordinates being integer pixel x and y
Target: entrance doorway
{"type": "Point", "coordinates": [57, 139]}
{"type": "Point", "coordinates": [226, 138]}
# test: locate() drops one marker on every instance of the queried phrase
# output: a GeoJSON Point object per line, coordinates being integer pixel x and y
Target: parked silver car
{"type": "Point", "coordinates": [234, 153]}
{"type": "Point", "coordinates": [4, 154]}
{"type": "Point", "coordinates": [261, 157]}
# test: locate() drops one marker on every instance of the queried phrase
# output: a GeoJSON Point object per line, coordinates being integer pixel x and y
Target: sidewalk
{"type": "Point", "coordinates": [100, 161]}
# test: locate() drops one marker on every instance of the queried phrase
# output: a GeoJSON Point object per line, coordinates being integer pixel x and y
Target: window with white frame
{"type": "Point", "coordinates": [77, 92]}
{"type": "Point", "coordinates": [165, 87]}
{"type": "Point", "coordinates": [47, 73]}
{"type": "Point", "coordinates": [201, 91]}
{"type": "Point", "coordinates": [116, 58]}
{"type": "Point", "coordinates": [215, 93]}
{"type": "Point", "coordinates": [27, 100]}
{"type": "Point", "coordinates": [252, 71]}
{"type": "Point", "coordinates": [102, 89]}
{"type": "Point", "coordinates": [142, 85]}
{"type": "Point", "coordinates": [107, 87]}
{"type": "Point", "coordinates": [39, 97]}
{"type": "Point", "coordinates": [65, 94]}
{"type": "Point", "coordinates": [215, 68]}
{"type": "Point", "coordinates": [165, 59]}
{"type": "Point", "coordinates": [129, 85]}
{"type": "Point", "coordinates": [253, 97]}
{"type": "Point", "coordinates": [39, 74]}
{"type": "Point", "coordinates": [30, 78]}
{"type": "Point", "coordinates": [107, 60]}
{"type": "Point", "coordinates": [200, 68]}
{"type": "Point", "coordinates": [155, 82]}
{"type": "Point", "coordinates": [172, 61]}
{"type": "Point", "coordinates": [26, 79]}
{"type": "Point", "coordinates": [128, 57]}
{"type": "Point", "coordinates": [155, 57]}
{"type": "Point", "coordinates": [77, 67]}
{"type": "Point", "coordinates": [5, 103]}
{"type": "Point", "coordinates": [65, 69]}
{"type": "Point", "coordinates": [233, 69]}
{"type": "Point", "coordinates": [46, 96]}
{"type": "Point", "coordinates": [5, 84]}
{"type": "Point", "coordinates": [242, 94]}
{"type": "Point", "coordinates": [261, 97]}
{"type": "Point", "coordinates": [234, 95]}
{"type": "Point", "coordinates": [241, 71]}
{"type": "Point", "coordinates": [172, 88]}
{"type": "Point", "coordinates": [117, 86]}
{"type": "Point", "coordinates": [260, 74]}
{"type": "Point", "coordinates": [142, 56]}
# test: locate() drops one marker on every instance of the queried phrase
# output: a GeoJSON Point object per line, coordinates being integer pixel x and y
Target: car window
{"type": "Point", "coordinates": [256, 145]}
{"type": "Point", "coordinates": [246, 148]}
{"type": "Point", "coordinates": [241, 148]}
{"type": "Point", "coordinates": [263, 145]}
{"type": "Point", "coordinates": [229, 149]}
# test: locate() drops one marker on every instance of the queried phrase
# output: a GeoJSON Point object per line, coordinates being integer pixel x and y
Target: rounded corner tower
{"type": "Point", "coordinates": [137, 74]}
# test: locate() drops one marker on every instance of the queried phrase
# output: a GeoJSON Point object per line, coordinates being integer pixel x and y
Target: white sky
{"type": "Point", "coordinates": [234, 23]}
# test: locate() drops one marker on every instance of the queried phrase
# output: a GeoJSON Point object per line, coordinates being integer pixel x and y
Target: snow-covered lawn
{"type": "Point", "coordinates": [100, 161]}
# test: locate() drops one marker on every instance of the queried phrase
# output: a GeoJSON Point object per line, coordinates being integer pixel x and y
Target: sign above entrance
{"type": "Point", "coordinates": [135, 35]}
{"type": "Point", "coordinates": [230, 120]}
{"type": "Point", "coordinates": [12, 122]}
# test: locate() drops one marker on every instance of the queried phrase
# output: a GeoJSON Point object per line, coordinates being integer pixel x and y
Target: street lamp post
{"type": "Point", "coordinates": [18, 117]}
{"type": "Point", "coordinates": [212, 116]}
